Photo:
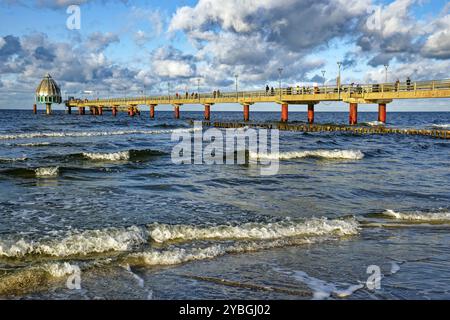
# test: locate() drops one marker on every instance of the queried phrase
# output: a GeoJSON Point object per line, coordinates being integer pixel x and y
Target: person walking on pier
{"type": "Point", "coordinates": [267, 90]}
{"type": "Point", "coordinates": [272, 91]}
{"type": "Point", "coordinates": [397, 85]}
{"type": "Point", "coordinates": [408, 84]}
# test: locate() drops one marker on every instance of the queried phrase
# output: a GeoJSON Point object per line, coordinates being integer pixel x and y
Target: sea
{"type": "Point", "coordinates": [94, 207]}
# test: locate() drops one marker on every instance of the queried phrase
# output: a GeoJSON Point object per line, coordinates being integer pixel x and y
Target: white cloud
{"type": "Point", "coordinates": [438, 43]}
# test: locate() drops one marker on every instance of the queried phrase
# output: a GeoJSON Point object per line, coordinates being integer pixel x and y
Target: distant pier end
{"type": "Point", "coordinates": [47, 92]}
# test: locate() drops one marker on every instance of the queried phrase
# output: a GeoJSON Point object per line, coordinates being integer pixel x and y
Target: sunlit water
{"type": "Point", "coordinates": [101, 194]}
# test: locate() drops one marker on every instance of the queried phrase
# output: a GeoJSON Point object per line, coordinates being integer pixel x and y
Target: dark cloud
{"type": "Point", "coordinates": [44, 54]}
{"type": "Point", "coordinates": [11, 46]}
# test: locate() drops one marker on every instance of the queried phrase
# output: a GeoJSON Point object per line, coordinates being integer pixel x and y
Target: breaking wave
{"type": "Point", "coordinates": [115, 156]}
{"type": "Point", "coordinates": [76, 243]}
{"type": "Point", "coordinates": [254, 231]}
{"type": "Point", "coordinates": [82, 243]}
{"type": "Point", "coordinates": [122, 155]}
{"type": "Point", "coordinates": [90, 133]}
{"type": "Point", "coordinates": [374, 123]}
{"type": "Point", "coordinates": [325, 154]}
{"type": "Point", "coordinates": [442, 126]}
{"type": "Point", "coordinates": [34, 277]}
{"type": "Point", "coordinates": [13, 159]}
{"type": "Point", "coordinates": [47, 172]}
{"type": "Point", "coordinates": [419, 216]}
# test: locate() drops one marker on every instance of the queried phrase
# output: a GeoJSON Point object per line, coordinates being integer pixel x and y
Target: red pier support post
{"type": "Point", "coordinates": [152, 111]}
{"type": "Point", "coordinates": [310, 113]}
{"type": "Point", "coordinates": [34, 109]}
{"type": "Point", "coordinates": [131, 111]}
{"type": "Point", "coordinates": [207, 113]}
{"type": "Point", "coordinates": [382, 112]}
{"type": "Point", "coordinates": [353, 114]}
{"type": "Point", "coordinates": [246, 112]}
{"type": "Point", "coordinates": [69, 110]}
{"type": "Point", "coordinates": [176, 110]}
{"type": "Point", "coordinates": [114, 111]}
{"type": "Point", "coordinates": [284, 112]}
{"type": "Point", "coordinates": [100, 111]}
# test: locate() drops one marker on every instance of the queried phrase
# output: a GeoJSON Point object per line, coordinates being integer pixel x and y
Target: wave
{"type": "Point", "coordinates": [115, 156]}
{"type": "Point", "coordinates": [47, 172]}
{"type": "Point", "coordinates": [76, 243]}
{"type": "Point", "coordinates": [325, 154]}
{"type": "Point", "coordinates": [374, 123]}
{"type": "Point", "coordinates": [34, 278]}
{"type": "Point", "coordinates": [419, 216]}
{"type": "Point", "coordinates": [442, 126]}
{"type": "Point", "coordinates": [91, 133]}
{"type": "Point", "coordinates": [122, 155]}
{"type": "Point", "coordinates": [82, 243]}
{"type": "Point", "coordinates": [254, 231]}
{"type": "Point", "coordinates": [21, 159]}
{"type": "Point", "coordinates": [33, 144]}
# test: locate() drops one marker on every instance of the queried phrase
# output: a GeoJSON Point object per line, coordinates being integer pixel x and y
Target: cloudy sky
{"type": "Point", "coordinates": [132, 46]}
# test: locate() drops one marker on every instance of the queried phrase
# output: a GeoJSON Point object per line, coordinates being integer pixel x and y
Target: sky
{"type": "Point", "coordinates": [133, 47]}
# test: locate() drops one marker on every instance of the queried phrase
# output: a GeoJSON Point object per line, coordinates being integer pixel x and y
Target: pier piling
{"type": "Point", "coordinates": [246, 112]}
{"type": "Point", "coordinates": [152, 111]}
{"type": "Point", "coordinates": [382, 112]}
{"type": "Point", "coordinates": [284, 112]}
{"type": "Point", "coordinates": [353, 114]}
{"type": "Point", "coordinates": [34, 109]}
{"type": "Point", "coordinates": [207, 112]}
{"type": "Point", "coordinates": [176, 109]}
{"type": "Point", "coordinates": [311, 113]}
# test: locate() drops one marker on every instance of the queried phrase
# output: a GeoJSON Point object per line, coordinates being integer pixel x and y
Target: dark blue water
{"type": "Point", "coordinates": [101, 194]}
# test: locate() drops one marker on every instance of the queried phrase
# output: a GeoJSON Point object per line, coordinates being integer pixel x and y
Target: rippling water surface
{"type": "Point", "coordinates": [101, 194]}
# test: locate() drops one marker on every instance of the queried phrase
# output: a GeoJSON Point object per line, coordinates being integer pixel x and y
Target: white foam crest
{"type": "Point", "coordinates": [418, 216]}
{"type": "Point", "coordinates": [33, 135]}
{"type": "Point", "coordinates": [33, 144]}
{"type": "Point", "coordinates": [326, 154]}
{"type": "Point", "coordinates": [77, 243]}
{"type": "Point", "coordinates": [443, 126]}
{"type": "Point", "coordinates": [47, 172]}
{"type": "Point", "coordinates": [13, 159]}
{"type": "Point", "coordinates": [254, 231]}
{"type": "Point", "coordinates": [374, 123]}
{"type": "Point", "coordinates": [114, 156]}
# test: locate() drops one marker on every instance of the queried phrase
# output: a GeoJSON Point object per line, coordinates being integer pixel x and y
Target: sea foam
{"type": "Point", "coordinates": [33, 135]}
{"type": "Point", "coordinates": [47, 172]}
{"type": "Point", "coordinates": [325, 154]}
{"type": "Point", "coordinates": [254, 231]}
{"type": "Point", "coordinates": [77, 243]}
{"type": "Point", "coordinates": [419, 216]}
{"type": "Point", "coordinates": [114, 156]}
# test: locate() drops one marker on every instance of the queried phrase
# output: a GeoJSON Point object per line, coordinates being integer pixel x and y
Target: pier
{"type": "Point", "coordinates": [379, 94]}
